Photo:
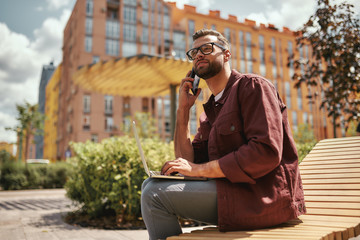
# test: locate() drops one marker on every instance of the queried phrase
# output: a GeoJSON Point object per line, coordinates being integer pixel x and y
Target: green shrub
{"type": "Point", "coordinates": [16, 176]}
{"type": "Point", "coordinates": [108, 175]}
{"type": "Point", "coordinates": [303, 149]}
{"type": "Point", "coordinates": [305, 140]}
{"type": "Point", "coordinates": [13, 176]}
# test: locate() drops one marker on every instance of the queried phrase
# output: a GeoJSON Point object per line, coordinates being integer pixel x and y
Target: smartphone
{"type": "Point", "coordinates": [196, 81]}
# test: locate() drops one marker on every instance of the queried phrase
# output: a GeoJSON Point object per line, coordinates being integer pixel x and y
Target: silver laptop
{"type": "Point", "coordinates": [157, 174]}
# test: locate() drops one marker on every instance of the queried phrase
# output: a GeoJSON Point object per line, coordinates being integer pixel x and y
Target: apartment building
{"type": "Point", "coordinates": [51, 112]}
{"type": "Point", "coordinates": [46, 74]}
{"type": "Point", "coordinates": [103, 30]}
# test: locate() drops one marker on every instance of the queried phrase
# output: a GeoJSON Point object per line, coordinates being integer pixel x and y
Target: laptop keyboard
{"type": "Point", "coordinates": [155, 173]}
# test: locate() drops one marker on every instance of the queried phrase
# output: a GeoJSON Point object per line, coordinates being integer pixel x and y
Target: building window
{"type": "Point", "coordinates": [130, 2]}
{"type": "Point", "coordinates": [299, 99]}
{"type": "Point", "coordinates": [310, 99]}
{"type": "Point", "coordinates": [145, 104]}
{"type": "Point", "coordinates": [288, 94]}
{"type": "Point", "coordinates": [88, 44]}
{"type": "Point", "coordinates": [130, 14]}
{"type": "Point", "coordinates": [109, 124]}
{"type": "Point", "coordinates": [112, 29]}
{"type": "Point", "coordinates": [145, 17]}
{"type": "Point", "coordinates": [213, 27]}
{"type": "Point", "coordinates": [94, 138]}
{"type": "Point", "coordinates": [242, 52]}
{"type": "Point", "coordinates": [112, 14]}
{"type": "Point", "coordinates": [88, 25]}
{"type": "Point", "coordinates": [89, 7]}
{"type": "Point", "coordinates": [294, 121]}
{"type": "Point", "coordinates": [129, 49]}
{"type": "Point", "coordinates": [305, 118]}
{"type": "Point", "coordinates": [129, 32]}
{"type": "Point", "coordinates": [191, 30]}
{"type": "Point", "coordinates": [96, 59]}
{"type": "Point", "coordinates": [273, 57]}
{"type": "Point", "coordinates": [166, 22]}
{"type": "Point", "coordinates": [159, 19]}
{"type": "Point", "coordinates": [145, 35]}
{"type": "Point", "coordinates": [193, 120]}
{"type": "Point", "coordinates": [112, 47]}
{"type": "Point", "coordinates": [291, 60]}
{"type": "Point", "coordinates": [108, 104]}
{"type": "Point", "coordinates": [126, 105]}
{"type": "Point", "coordinates": [227, 34]}
{"type": "Point", "coordinates": [281, 61]}
{"type": "Point", "coordinates": [145, 4]}
{"type": "Point", "coordinates": [262, 55]}
{"type": "Point", "coordinates": [249, 52]}
{"type": "Point", "coordinates": [152, 5]}
{"type": "Point", "coordinates": [86, 123]}
{"type": "Point", "coordinates": [179, 44]}
{"type": "Point", "coordinates": [86, 103]}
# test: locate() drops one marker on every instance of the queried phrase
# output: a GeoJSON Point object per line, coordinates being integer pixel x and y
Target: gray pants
{"type": "Point", "coordinates": [163, 201]}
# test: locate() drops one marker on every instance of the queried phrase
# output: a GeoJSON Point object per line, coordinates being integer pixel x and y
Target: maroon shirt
{"type": "Point", "coordinates": [247, 130]}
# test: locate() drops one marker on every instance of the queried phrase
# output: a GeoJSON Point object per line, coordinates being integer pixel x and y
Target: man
{"type": "Point", "coordinates": [244, 145]}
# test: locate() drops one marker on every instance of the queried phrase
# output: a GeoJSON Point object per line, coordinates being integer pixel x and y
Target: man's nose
{"type": "Point", "coordinates": [199, 54]}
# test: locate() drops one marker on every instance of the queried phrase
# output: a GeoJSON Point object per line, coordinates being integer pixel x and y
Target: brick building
{"type": "Point", "coordinates": [103, 30]}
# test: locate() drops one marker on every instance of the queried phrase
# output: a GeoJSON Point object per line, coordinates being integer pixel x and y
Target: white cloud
{"type": "Point", "coordinates": [289, 13]}
{"type": "Point", "coordinates": [57, 4]}
{"type": "Point", "coordinates": [21, 62]}
{"type": "Point", "coordinates": [48, 38]}
{"type": "Point", "coordinates": [202, 6]}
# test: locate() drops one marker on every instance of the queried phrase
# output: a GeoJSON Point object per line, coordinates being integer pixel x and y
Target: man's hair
{"type": "Point", "coordinates": [204, 32]}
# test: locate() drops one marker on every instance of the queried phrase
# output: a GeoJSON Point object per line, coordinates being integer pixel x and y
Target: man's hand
{"type": "Point", "coordinates": [186, 168]}
{"type": "Point", "coordinates": [181, 166]}
{"type": "Point", "coordinates": [186, 98]}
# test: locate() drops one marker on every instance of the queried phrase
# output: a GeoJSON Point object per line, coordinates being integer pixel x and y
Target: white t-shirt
{"type": "Point", "coordinates": [219, 95]}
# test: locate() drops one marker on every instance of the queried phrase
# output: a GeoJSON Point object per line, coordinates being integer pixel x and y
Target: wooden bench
{"type": "Point", "coordinates": [331, 180]}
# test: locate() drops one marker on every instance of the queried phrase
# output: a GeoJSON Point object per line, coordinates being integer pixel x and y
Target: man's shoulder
{"type": "Point", "coordinates": [249, 79]}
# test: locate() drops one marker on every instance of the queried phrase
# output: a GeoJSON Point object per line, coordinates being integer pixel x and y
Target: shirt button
{"type": "Point", "coordinates": [200, 136]}
{"type": "Point", "coordinates": [232, 128]}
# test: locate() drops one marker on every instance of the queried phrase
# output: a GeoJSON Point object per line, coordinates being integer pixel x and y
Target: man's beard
{"type": "Point", "coordinates": [213, 69]}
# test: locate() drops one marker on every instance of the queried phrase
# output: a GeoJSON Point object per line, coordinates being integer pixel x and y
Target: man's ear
{"type": "Point", "coordinates": [227, 55]}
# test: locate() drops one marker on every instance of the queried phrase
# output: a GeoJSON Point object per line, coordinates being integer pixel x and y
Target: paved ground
{"type": "Point", "coordinates": [37, 215]}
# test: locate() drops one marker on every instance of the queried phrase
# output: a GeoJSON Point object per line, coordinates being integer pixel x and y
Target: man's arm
{"type": "Point", "coordinates": [182, 141]}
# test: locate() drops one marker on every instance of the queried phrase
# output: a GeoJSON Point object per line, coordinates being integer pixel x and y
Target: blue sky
{"type": "Point", "coordinates": [31, 34]}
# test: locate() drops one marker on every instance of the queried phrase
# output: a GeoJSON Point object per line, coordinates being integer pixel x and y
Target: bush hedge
{"type": "Point", "coordinates": [16, 176]}
{"type": "Point", "coordinates": [108, 175]}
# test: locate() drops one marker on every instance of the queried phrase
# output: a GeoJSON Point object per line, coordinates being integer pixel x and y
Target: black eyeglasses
{"type": "Point", "coordinates": [206, 49]}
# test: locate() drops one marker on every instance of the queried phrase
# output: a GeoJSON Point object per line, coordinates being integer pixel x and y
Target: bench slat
{"type": "Point", "coordinates": [332, 186]}
{"type": "Point", "coordinates": [337, 166]}
{"type": "Point", "coordinates": [331, 176]}
{"type": "Point", "coordinates": [336, 170]}
{"type": "Point", "coordinates": [331, 193]}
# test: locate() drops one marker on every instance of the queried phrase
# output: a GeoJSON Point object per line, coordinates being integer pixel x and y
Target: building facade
{"type": "Point", "coordinates": [46, 74]}
{"type": "Point", "coordinates": [102, 30]}
{"type": "Point", "coordinates": [51, 112]}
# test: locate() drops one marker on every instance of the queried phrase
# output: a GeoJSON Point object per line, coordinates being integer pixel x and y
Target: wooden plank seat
{"type": "Point", "coordinates": [331, 181]}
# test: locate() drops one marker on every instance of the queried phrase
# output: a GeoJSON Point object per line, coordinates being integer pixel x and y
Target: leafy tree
{"type": "Point", "coordinates": [333, 33]}
{"type": "Point", "coordinates": [145, 124]}
{"type": "Point", "coordinates": [30, 123]}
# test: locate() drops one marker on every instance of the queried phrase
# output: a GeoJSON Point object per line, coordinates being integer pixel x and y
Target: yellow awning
{"type": "Point", "coordinates": [138, 76]}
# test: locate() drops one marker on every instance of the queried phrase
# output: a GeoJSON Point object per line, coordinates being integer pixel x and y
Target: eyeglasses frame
{"type": "Point", "coordinates": [199, 48]}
